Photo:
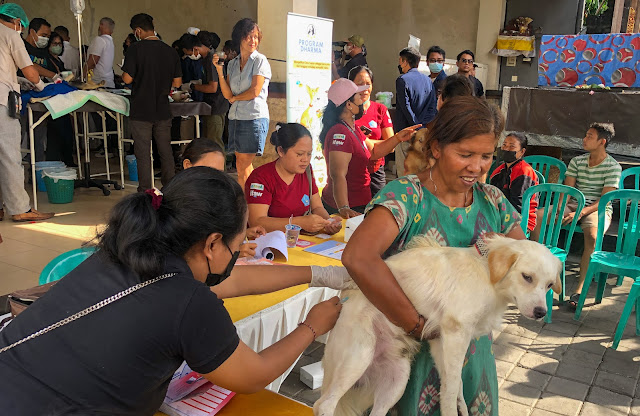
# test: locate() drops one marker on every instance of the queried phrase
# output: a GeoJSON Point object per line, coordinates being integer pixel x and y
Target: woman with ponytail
{"type": "Point", "coordinates": [119, 359]}
{"type": "Point", "coordinates": [286, 187]}
{"type": "Point", "coordinates": [347, 151]}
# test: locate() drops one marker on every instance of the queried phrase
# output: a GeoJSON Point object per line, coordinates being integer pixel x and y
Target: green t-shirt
{"type": "Point", "coordinates": [591, 180]}
{"type": "Point", "coordinates": [418, 212]}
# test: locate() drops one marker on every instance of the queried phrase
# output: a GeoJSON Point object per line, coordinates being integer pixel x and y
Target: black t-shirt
{"type": "Point", "coordinates": [479, 90]}
{"type": "Point", "coordinates": [40, 56]}
{"type": "Point", "coordinates": [153, 65]}
{"type": "Point", "coordinates": [117, 360]}
{"type": "Point", "coordinates": [219, 104]}
{"type": "Point", "coordinates": [357, 60]}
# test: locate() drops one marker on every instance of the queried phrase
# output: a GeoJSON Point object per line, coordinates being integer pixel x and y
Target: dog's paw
{"type": "Point", "coordinates": [462, 409]}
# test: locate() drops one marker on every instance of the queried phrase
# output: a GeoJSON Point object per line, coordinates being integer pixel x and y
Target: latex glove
{"type": "Point", "coordinates": [39, 86]}
{"type": "Point", "coordinates": [186, 86]}
{"type": "Point", "coordinates": [57, 79]}
{"type": "Point", "coordinates": [25, 84]}
{"type": "Point", "coordinates": [334, 277]}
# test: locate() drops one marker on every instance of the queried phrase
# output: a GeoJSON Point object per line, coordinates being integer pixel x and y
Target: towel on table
{"type": "Point", "coordinates": [60, 105]}
{"type": "Point", "coordinates": [48, 91]}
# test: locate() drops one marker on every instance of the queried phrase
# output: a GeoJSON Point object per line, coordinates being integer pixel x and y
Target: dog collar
{"type": "Point", "coordinates": [481, 247]}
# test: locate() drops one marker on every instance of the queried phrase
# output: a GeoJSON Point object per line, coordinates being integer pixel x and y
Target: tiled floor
{"type": "Point", "coordinates": [561, 368]}
{"type": "Point", "coordinates": [544, 369]}
{"type": "Point", "coordinates": [28, 247]}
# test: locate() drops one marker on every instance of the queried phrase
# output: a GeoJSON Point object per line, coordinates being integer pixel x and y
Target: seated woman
{"type": "Point", "coordinates": [375, 123]}
{"type": "Point", "coordinates": [205, 152]}
{"type": "Point", "coordinates": [514, 176]}
{"type": "Point", "coordinates": [120, 358]}
{"type": "Point", "coordinates": [445, 202]}
{"type": "Point", "coordinates": [347, 151]}
{"type": "Point", "coordinates": [286, 187]}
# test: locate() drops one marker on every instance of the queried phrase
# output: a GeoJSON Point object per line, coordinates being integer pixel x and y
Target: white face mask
{"type": "Point", "coordinates": [348, 49]}
{"type": "Point", "coordinates": [42, 42]}
{"type": "Point", "coordinates": [194, 57]}
{"type": "Point", "coordinates": [17, 27]}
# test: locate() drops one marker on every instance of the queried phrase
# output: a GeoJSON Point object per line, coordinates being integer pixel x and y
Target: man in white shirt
{"type": "Point", "coordinates": [71, 56]}
{"type": "Point", "coordinates": [101, 52]}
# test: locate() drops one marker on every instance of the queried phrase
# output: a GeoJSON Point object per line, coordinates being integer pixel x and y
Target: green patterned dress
{"type": "Point", "coordinates": [418, 212]}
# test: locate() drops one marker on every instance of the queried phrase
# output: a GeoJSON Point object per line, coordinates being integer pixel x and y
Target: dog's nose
{"type": "Point", "coordinates": [539, 312]}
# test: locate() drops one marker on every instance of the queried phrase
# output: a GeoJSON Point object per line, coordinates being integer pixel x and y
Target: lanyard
{"type": "Point", "coordinates": [364, 146]}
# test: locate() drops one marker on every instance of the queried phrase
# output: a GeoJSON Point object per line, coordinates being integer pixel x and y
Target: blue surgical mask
{"type": "Point", "coordinates": [56, 50]}
{"type": "Point", "coordinates": [435, 67]}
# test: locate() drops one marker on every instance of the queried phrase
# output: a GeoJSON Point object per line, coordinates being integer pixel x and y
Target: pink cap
{"type": "Point", "coordinates": [343, 89]}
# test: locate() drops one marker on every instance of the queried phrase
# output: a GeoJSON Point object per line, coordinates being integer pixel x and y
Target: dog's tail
{"type": "Point", "coordinates": [422, 241]}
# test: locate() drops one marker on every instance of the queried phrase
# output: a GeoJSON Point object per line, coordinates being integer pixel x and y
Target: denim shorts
{"type": "Point", "coordinates": [248, 136]}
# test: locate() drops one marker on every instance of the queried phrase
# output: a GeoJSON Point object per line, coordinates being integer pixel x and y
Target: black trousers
{"type": "Point", "coordinates": [142, 131]}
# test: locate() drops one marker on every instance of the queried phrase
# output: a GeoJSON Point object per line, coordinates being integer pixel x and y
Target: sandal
{"type": "Point", "coordinates": [573, 301]}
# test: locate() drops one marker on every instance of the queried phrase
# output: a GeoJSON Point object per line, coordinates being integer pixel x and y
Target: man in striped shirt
{"type": "Point", "coordinates": [594, 174]}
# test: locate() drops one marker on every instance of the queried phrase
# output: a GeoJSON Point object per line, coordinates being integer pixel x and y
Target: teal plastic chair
{"type": "Point", "coordinates": [635, 173]}
{"type": "Point", "coordinates": [544, 164]}
{"type": "Point", "coordinates": [555, 197]}
{"type": "Point", "coordinates": [541, 178]}
{"type": "Point", "coordinates": [622, 262]}
{"type": "Point", "coordinates": [64, 263]}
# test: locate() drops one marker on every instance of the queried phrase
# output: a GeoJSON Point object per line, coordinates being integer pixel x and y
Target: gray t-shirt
{"type": "Point", "coordinates": [13, 56]}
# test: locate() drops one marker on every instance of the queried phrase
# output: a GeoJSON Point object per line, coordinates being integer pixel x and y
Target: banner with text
{"type": "Point", "coordinates": [309, 78]}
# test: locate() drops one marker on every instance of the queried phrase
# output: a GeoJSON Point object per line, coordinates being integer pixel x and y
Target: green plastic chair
{"type": "Point", "coordinates": [541, 178]}
{"type": "Point", "coordinates": [544, 164]}
{"type": "Point", "coordinates": [622, 262]}
{"type": "Point", "coordinates": [64, 263]}
{"type": "Point", "coordinates": [635, 172]}
{"type": "Point", "coordinates": [493, 167]}
{"type": "Point", "coordinates": [555, 197]}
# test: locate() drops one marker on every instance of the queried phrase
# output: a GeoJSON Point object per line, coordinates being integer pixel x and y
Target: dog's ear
{"type": "Point", "coordinates": [500, 261]}
{"type": "Point", "coordinates": [557, 286]}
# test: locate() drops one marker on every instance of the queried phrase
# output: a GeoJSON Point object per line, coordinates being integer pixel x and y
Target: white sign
{"type": "Point", "coordinates": [309, 78]}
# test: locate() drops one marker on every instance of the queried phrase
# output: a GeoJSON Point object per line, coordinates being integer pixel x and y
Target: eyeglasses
{"type": "Point", "coordinates": [432, 61]}
{"type": "Point", "coordinates": [466, 61]}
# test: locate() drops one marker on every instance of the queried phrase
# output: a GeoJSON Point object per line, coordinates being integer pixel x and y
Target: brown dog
{"type": "Point", "coordinates": [416, 160]}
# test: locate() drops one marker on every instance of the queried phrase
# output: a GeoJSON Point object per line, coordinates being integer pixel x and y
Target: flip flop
{"type": "Point", "coordinates": [573, 301]}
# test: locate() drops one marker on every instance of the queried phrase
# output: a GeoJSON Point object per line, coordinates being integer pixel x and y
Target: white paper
{"type": "Point", "coordinates": [274, 240]}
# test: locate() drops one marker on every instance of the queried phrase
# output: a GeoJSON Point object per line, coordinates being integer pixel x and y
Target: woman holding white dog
{"type": "Point", "coordinates": [449, 204]}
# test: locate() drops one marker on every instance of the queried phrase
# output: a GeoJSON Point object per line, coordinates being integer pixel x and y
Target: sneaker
{"type": "Point", "coordinates": [32, 215]}
{"type": "Point", "coordinates": [100, 154]}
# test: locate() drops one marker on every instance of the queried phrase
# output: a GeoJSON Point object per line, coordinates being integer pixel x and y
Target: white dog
{"type": "Point", "coordinates": [462, 293]}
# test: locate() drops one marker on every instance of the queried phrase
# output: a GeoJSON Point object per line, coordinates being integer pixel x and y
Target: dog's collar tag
{"type": "Point", "coordinates": [481, 247]}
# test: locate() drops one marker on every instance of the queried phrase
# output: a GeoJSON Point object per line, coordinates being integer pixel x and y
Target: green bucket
{"type": "Point", "coordinates": [60, 186]}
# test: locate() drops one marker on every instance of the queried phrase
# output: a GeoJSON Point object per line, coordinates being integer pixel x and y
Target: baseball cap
{"type": "Point", "coordinates": [14, 11]}
{"type": "Point", "coordinates": [343, 89]}
{"type": "Point", "coordinates": [357, 40]}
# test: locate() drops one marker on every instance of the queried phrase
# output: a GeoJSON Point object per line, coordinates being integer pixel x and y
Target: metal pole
{"type": "Point", "coordinates": [78, 18]}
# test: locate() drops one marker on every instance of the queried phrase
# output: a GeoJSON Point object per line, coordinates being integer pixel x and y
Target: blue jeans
{"type": "Point", "coordinates": [248, 136]}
